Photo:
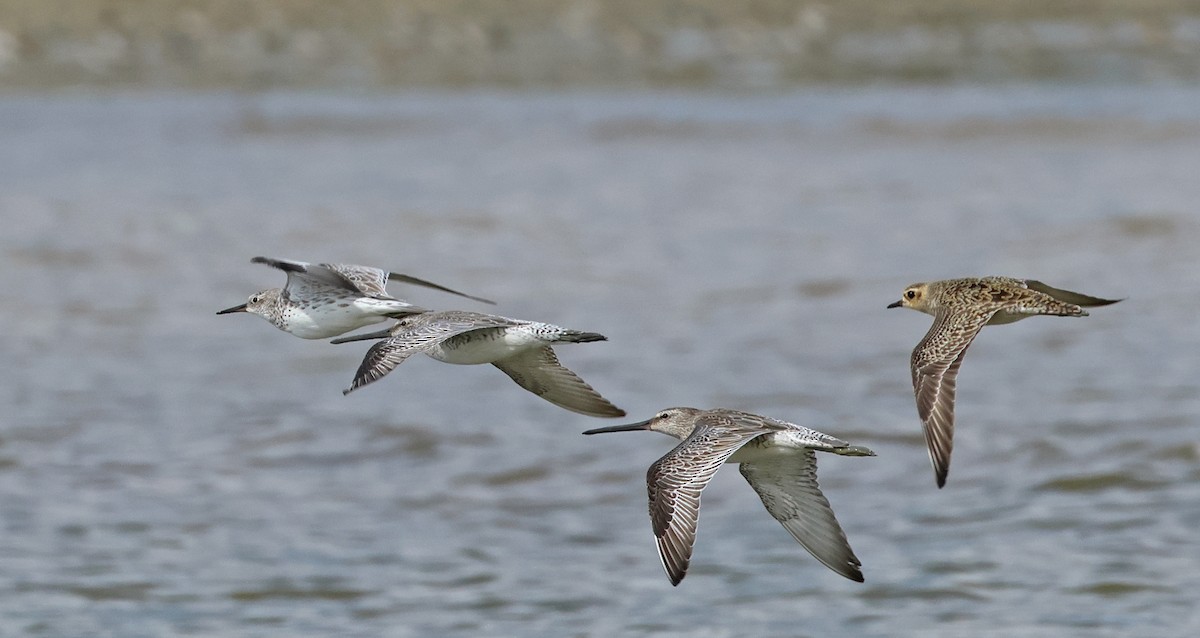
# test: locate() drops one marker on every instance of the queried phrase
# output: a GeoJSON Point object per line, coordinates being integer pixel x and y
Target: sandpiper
{"type": "Point", "coordinates": [521, 349]}
{"type": "Point", "coordinates": [961, 307]}
{"type": "Point", "coordinates": [776, 457]}
{"type": "Point", "coordinates": [326, 300]}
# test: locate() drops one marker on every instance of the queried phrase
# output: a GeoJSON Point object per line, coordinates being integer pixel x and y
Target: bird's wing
{"type": "Point", "coordinates": [409, 279]}
{"type": "Point", "coordinates": [1066, 296]}
{"type": "Point", "coordinates": [935, 363]}
{"type": "Point", "coordinates": [307, 281]}
{"type": "Point", "coordinates": [371, 282]}
{"type": "Point", "coordinates": [540, 372]}
{"type": "Point", "coordinates": [383, 357]}
{"type": "Point", "coordinates": [807, 436]}
{"type": "Point", "coordinates": [286, 265]}
{"type": "Point", "coordinates": [453, 322]}
{"type": "Point", "coordinates": [675, 481]}
{"type": "Point", "coordinates": [788, 488]}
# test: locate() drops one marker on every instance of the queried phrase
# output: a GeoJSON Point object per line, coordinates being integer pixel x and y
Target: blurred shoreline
{"type": "Point", "coordinates": [540, 43]}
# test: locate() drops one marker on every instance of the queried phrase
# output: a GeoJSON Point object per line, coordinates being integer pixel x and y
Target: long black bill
{"type": "Point", "coordinates": [641, 425]}
{"type": "Point", "coordinates": [241, 308]}
{"type": "Point", "coordinates": [895, 304]}
{"type": "Point", "coordinates": [379, 334]}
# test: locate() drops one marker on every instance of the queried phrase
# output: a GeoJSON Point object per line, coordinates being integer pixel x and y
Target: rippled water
{"type": "Point", "coordinates": [165, 471]}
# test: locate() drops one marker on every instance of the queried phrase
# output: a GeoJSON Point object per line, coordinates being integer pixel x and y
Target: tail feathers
{"type": "Point", "coordinates": [575, 336]}
{"type": "Point", "coordinates": [1068, 297]}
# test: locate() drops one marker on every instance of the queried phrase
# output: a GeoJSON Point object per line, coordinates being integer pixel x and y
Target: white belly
{"type": "Point", "coordinates": [328, 322]}
{"type": "Point", "coordinates": [485, 345]}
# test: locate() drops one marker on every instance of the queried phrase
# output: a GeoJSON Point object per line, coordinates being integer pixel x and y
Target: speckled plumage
{"type": "Point", "coordinates": [776, 457]}
{"type": "Point", "coordinates": [961, 308]}
{"type": "Point", "coordinates": [521, 349]}
{"type": "Point", "coordinates": [326, 300]}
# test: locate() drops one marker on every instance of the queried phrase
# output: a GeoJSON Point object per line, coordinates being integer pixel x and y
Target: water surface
{"type": "Point", "coordinates": [165, 471]}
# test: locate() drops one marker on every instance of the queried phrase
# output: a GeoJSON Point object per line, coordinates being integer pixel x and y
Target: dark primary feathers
{"type": "Point", "coordinates": [1066, 296]}
{"type": "Point", "coordinates": [371, 282]}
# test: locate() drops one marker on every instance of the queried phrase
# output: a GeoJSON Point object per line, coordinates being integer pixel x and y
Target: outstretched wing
{"type": "Point", "coordinates": [382, 358]}
{"type": "Point", "coordinates": [675, 481]}
{"type": "Point", "coordinates": [371, 282]}
{"type": "Point", "coordinates": [1066, 296]}
{"type": "Point", "coordinates": [788, 488]}
{"type": "Point", "coordinates": [935, 363]}
{"type": "Point", "coordinates": [540, 372]}
{"type": "Point", "coordinates": [306, 281]}
{"type": "Point", "coordinates": [427, 330]}
{"type": "Point", "coordinates": [286, 265]}
{"type": "Point", "coordinates": [409, 279]}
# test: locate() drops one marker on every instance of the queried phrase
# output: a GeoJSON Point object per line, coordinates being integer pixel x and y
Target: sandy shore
{"type": "Point", "coordinates": [274, 43]}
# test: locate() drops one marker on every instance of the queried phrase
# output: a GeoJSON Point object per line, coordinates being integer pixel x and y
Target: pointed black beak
{"type": "Point", "coordinates": [895, 304]}
{"type": "Point", "coordinates": [378, 334]}
{"type": "Point", "coordinates": [241, 308]}
{"type": "Point", "coordinates": [641, 425]}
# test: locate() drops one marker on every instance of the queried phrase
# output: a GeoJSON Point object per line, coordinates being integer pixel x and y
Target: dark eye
{"type": "Point", "coordinates": [911, 294]}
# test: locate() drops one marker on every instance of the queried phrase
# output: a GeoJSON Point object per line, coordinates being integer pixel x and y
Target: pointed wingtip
{"type": "Point", "coordinates": [281, 264]}
{"type": "Point", "coordinates": [1068, 296]}
{"type": "Point", "coordinates": [415, 281]}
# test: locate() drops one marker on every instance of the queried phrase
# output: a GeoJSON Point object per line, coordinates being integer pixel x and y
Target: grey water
{"type": "Point", "coordinates": [168, 472]}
